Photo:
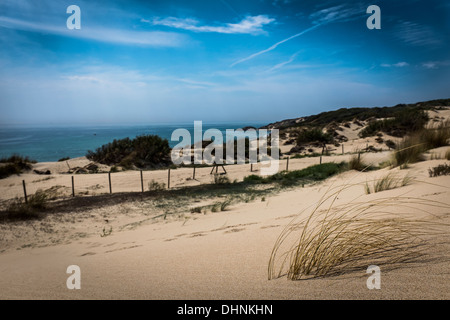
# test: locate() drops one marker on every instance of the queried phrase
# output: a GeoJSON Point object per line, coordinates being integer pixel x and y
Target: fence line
{"type": "Point", "coordinates": [102, 183]}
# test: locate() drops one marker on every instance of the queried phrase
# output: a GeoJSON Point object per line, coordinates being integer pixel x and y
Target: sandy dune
{"type": "Point", "coordinates": [213, 255]}
{"type": "Point", "coordinates": [220, 255]}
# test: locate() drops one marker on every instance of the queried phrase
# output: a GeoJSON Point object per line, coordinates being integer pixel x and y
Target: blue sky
{"type": "Point", "coordinates": [216, 60]}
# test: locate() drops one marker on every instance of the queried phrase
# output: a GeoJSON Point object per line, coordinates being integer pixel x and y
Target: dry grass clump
{"type": "Point", "coordinates": [156, 186]}
{"type": "Point", "coordinates": [339, 239]}
{"type": "Point", "coordinates": [388, 182]}
{"type": "Point", "coordinates": [356, 163]}
{"type": "Point", "coordinates": [221, 179]}
{"type": "Point", "coordinates": [18, 209]}
{"type": "Point", "coordinates": [412, 147]}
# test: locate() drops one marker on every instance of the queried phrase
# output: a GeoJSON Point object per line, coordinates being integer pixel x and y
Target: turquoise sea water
{"type": "Point", "coordinates": [56, 142]}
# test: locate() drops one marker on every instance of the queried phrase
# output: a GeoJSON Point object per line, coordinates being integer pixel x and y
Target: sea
{"type": "Point", "coordinates": [51, 143]}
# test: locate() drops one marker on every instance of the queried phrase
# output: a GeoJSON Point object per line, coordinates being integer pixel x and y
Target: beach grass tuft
{"type": "Point", "coordinates": [335, 239]}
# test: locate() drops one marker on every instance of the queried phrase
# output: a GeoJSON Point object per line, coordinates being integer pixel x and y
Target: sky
{"type": "Point", "coordinates": [216, 60]}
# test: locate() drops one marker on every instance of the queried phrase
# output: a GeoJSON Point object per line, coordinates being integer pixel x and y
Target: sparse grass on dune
{"type": "Point", "coordinates": [335, 239]}
{"type": "Point", "coordinates": [291, 178]}
{"type": "Point", "coordinates": [412, 147]}
{"type": "Point", "coordinates": [357, 163]}
{"type": "Point", "coordinates": [18, 209]}
{"type": "Point", "coordinates": [388, 182]}
{"type": "Point", "coordinates": [15, 164]}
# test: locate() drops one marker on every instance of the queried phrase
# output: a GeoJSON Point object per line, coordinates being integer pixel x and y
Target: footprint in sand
{"type": "Point", "coordinates": [88, 254]}
{"type": "Point", "coordinates": [235, 230]}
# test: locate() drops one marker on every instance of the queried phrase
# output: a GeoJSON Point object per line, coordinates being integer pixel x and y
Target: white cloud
{"type": "Point", "coordinates": [118, 36]}
{"type": "Point", "coordinates": [435, 64]}
{"type": "Point", "coordinates": [321, 17]}
{"type": "Point", "coordinates": [338, 13]}
{"type": "Point", "coordinates": [273, 47]}
{"type": "Point", "coordinates": [249, 25]}
{"type": "Point", "coordinates": [396, 65]}
{"type": "Point", "coordinates": [416, 34]}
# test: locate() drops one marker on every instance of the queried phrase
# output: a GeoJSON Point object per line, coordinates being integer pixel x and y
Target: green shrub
{"type": "Point", "coordinates": [146, 151]}
{"type": "Point", "coordinates": [15, 164]}
{"type": "Point", "coordinates": [196, 210]}
{"type": "Point", "coordinates": [313, 135]}
{"type": "Point", "coordinates": [404, 121]}
{"type": "Point", "coordinates": [254, 179]}
{"type": "Point", "coordinates": [390, 144]}
{"type": "Point", "coordinates": [440, 170]}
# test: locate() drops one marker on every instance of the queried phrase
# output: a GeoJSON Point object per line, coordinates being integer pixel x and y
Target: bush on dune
{"type": "Point", "coordinates": [15, 164]}
{"type": "Point", "coordinates": [313, 135]}
{"type": "Point", "coordinates": [403, 122]}
{"type": "Point", "coordinates": [143, 152]}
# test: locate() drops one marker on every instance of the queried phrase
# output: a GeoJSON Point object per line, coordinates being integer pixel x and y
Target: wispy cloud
{"type": "Point", "coordinates": [273, 47]}
{"type": "Point", "coordinates": [249, 25]}
{"type": "Point", "coordinates": [416, 34]}
{"type": "Point", "coordinates": [395, 65]}
{"type": "Point", "coordinates": [282, 64]}
{"type": "Point", "coordinates": [435, 64]}
{"type": "Point", "coordinates": [117, 36]}
{"type": "Point", "coordinates": [339, 13]}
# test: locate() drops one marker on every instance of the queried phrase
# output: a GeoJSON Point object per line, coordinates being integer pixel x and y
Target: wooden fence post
{"type": "Point", "coordinates": [109, 178]}
{"type": "Point", "coordinates": [320, 159]}
{"type": "Point", "coordinates": [142, 182]}
{"type": "Point", "coordinates": [73, 187]}
{"type": "Point", "coordinates": [342, 148]}
{"type": "Point", "coordinates": [168, 179]}
{"type": "Point", "coordinates": [251, 167]}
{"type": "Point", "coordinates": [25, 191]}
{"type": "Point", "coordinates": [287, 164]}
{"type": "Point", "coordinates": [193, 175]}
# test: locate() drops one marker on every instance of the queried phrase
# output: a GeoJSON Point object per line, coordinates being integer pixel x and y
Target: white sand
{"type": "Point", "coordinates": [220, 255]}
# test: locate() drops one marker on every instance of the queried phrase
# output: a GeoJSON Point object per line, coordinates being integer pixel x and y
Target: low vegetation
{"type": "Point", "coordinates": [19, 209]}
{"type": "Point", "coordinates": [412, 147]}
{"type": "Point", "coordinates": [156, 186]}
{"type": "Point", "coordinates": [388, 182]}
{"type": "Point", "coordinates": [16, 164]}
{"type": "Point", "coordinates": [440, 170]}
{"type": "Point", "coordinates": [338, 239]}
{"type": "Point", "coordinates": [288, 178]}
{"type": "Point", "coordinates": [356, 163]}
{"type": "Point", "coordinates": [359, 114]}
{"type": "Point", "coordinates": [143, 152]}
{"type": "Point", "coordinates": [402, 122]}
{"type": "Point", "coordinates": [313, 135]}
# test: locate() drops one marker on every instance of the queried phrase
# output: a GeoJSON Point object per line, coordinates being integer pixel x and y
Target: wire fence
{"type": "Point", "coordinates": [75, 185]}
